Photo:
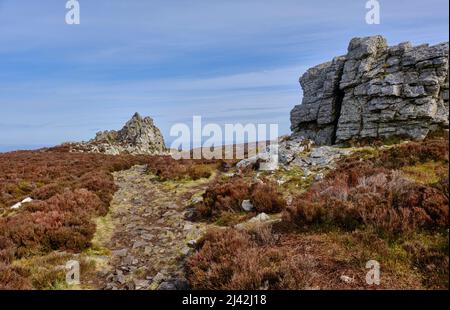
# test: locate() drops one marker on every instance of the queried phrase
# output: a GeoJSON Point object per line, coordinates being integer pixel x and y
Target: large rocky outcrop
{"type": "Point", "coordinates": [139, 136]}
{"type": "Point", "coordinates": [375, 91]}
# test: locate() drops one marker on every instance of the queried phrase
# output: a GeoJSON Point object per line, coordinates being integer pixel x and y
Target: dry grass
{"type": "Point", "coordinates": [69, 191]}
{"type": "Point", "coordinates": [167, 168]}
{"type": "Point", "coordinates": [371, 207]}
{"type": "Point", "coordinates": [264, 259]}
{"type": "Point", "coordinates": [371, 192]}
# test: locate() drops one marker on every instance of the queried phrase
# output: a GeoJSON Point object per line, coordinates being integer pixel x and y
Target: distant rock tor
{"type": "Point", "coordinates": [139, 136]}
{"type": "Point", "coordinates": [375, 91]}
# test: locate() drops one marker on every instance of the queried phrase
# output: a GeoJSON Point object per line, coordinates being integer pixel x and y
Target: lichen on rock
{"type": "Point", "coordinates": [139, 136]}
{"type": "Point", "coordinates": [375, 92]}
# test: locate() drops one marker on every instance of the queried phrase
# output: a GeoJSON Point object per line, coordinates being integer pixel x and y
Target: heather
{"type": "Point", "coordinates": [225, 196]}
{"type": "Point", "coordinates": [69, 191]}
{"type": "Point", "coordinates": [375, 192]}
{"type": "Point", "coordinates": [387, 203]}
{"type": "Point", "coordinates": [384, 203]}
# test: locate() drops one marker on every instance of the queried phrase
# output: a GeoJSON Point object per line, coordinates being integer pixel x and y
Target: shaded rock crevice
{"type": "Point", "coordinates": [375, 91]}
{"type": "Point", "coordinates": [339, 98]}
{"type": "Point", "coordinates": [338, 106]}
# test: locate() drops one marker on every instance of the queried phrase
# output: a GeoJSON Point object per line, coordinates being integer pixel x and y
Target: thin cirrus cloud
{"type": "Point", "coordinates": [224, 60]}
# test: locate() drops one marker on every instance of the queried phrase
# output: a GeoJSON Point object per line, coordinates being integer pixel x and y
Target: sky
{"type": "Point", "coordinates": [229, 61]}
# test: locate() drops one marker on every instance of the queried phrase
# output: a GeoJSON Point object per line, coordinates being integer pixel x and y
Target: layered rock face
{"type": "Point", "coordinates": [139, 136]}
{"type": "Point", "coordinates": [375, 92]}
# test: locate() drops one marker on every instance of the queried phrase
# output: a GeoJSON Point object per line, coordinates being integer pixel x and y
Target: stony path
{"type": "Point", "coordinates": [150, 236]}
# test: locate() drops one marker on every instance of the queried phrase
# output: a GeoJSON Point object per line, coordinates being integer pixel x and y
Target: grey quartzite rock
{"type": "Point", "coordinates": [375, 91]}
{"type": "Point", "coordinates": [138, 136]}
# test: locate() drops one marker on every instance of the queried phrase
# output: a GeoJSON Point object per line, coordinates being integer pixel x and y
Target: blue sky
{"type": "Point", "coordinates": [228, 61]}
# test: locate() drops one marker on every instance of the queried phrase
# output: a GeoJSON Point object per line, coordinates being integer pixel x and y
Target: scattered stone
{"type": "Point", "coordinates": [347, 279]}
{"type": "Point", "coordinates": [322, 157]}
{"type": "Point", "coordinates": [192, 243]}
{"type": "Point", "coordinates": [167, 286]}
{"type": "Point", "coordinates": [130, 286]}
{"type": "Point", "coordinates": [195, 200]}
{"type": "Point", "coordinates": [16, 206]}
{"type": "Point", "coordinates": [120, 278]}
{"type": "Point", "coordinates": [247, 205]}
{"type": "Point", "coordinates": [19, 204]}
{"type": "Point", "coordinates": [110, 277]}
{"type": "Point", "coordinates": [158, 278]}
{"type": "Point", "coordinates": [128, 260]}
{"type": "Point", "coordinates": [26, 200]}
{"type": "Point", "coordinates": [147, 237]}
{"type": "Point", "coordinates": [141, 284]}
{"type": "Point", "coordinates": [120, 253]}
{"type": "Point", "coordinates": [265, 160]}
{"type": "Point", "coordinates": [262, 217]}
{"type": "Point", "coordinates": [138, 244]}
{"type": "Point", "coordinates": [141, 244]}
{"type": "Point", "coordinates": [318, 177]}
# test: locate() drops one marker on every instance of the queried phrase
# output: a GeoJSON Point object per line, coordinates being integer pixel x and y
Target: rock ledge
{"type": "Point", "coordinates": [375, 92]}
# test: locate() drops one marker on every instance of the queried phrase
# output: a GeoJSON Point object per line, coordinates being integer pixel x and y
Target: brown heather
{"type": "Point", "coordinates": [69, 190]}
{"type": "Point", "coordinates": [226, 196]}
{"type": "Point", "coordinates": [365, 209]}
{"type": "Point", "coordinates": [373, 192]}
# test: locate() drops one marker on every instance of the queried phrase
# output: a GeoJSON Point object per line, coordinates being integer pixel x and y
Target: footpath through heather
{"type": "Point", "coordinates": [145, 237]}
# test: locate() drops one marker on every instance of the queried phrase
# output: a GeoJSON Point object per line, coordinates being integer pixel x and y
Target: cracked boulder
{"type": "Point", "coordinates": [375, 92]}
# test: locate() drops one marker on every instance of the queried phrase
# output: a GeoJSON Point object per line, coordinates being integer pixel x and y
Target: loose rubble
{"type": "Point", "coordinates": [151, 237]}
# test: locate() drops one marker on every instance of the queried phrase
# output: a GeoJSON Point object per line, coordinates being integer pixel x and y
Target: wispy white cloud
{"type": "Point", "coordinates": [222, 59]}
{"type": "Point", "coordinates": [239, 96]}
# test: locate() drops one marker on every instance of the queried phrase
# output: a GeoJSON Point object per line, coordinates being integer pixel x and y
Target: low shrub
{"type": "Point", "coordinates": [414, 152]}
{"type": "Point", "coordinates": [63, 222]}
{"type": "Point", "coordinates": [265, 197]}
{"type": "Point", "coordinates": [167, 168]}
{"type": "Point", "coordinates": [13, 278]}
{"type": "Point", "coordinates": [232, 259]}
{"type": "Point", "coordinates": [226, 196]}
{"type": "Point", "coordinates": [431, 258]}
{"type": "Point", "coordinates": [69, 190]}
{"type": "Point", "coordinates": [370, 192]}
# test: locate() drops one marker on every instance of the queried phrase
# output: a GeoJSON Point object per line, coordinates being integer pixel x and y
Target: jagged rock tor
{"type": "Point", "coordinates": [139, 136]}
{"type": "Point", "coordinates": [375, 91]}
